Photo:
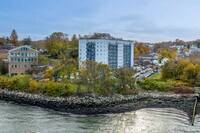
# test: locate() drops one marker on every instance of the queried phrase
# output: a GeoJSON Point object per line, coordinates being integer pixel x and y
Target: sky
{"type": "Point", "coordinates": [140, 20]}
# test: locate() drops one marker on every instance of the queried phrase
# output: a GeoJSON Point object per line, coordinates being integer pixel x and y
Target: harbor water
{"type": "Point", "coordinates": [27, 119]}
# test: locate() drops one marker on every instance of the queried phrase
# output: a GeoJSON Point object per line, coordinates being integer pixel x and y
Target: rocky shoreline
{"type": "Point", "coordinates": [101, 104]}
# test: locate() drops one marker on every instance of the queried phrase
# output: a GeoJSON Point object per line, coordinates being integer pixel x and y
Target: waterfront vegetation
{"type": "Point", "coordinates": [27, 84]}
{"type": "Point", "coordinates": [180, 76]}
{"type": "Point", "coordinates": [92, 78]}
{"type": "Point", "coordinates": [163, 85]}
{"type": "Point", "coordinates": [95, 78]}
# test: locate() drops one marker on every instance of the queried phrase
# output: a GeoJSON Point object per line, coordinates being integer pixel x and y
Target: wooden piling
{"type": "Point", "coordinates": [194, 111]}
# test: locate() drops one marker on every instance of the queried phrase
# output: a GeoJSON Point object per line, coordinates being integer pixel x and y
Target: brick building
{"type": "Point", "coordinates": [21, 59]}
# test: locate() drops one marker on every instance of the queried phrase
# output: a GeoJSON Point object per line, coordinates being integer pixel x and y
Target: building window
{"type": "Point", "coordinates": [127, 56]}
{"type": "Point", "coordinates": [112, 55]}
{"type": "Point", "coordinates": [90, 51]}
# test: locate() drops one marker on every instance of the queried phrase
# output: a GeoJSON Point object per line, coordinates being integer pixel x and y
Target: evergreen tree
{"type": "Point", "coordinates": [14, 38]}
{"type": "Point", "coordinates": [2, 41]}
{"type": "Point", "coordinates": [73, 52]}
{"type": "Point", "coordinates": [27, 41]}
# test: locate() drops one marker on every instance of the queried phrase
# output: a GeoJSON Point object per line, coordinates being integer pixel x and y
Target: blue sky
{"type": "Point", "coordinates": [141, 20]}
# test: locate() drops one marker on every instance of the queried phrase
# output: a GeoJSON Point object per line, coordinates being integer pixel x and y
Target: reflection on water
{"type": "Point", "coordinates": [23, 119]}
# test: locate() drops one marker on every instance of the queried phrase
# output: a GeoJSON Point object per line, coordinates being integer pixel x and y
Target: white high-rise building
{"type": "Point", "coordinates": [115, 53]}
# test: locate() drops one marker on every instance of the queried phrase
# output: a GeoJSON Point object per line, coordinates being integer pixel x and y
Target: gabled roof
{"type": "Point", "coordinates": [24, 46]}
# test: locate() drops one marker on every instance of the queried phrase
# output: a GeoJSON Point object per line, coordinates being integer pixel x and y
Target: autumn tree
{"type": "Point", "coordinates": [14, 38]}
{"type": "Point", "coordinates": [49, 73]}
{"type": "Point", "coordinates": [174, 69]}
{"type": "Point", "coordinates": [57, 49]}
{"type": "Point", "coordinates": [181, 65]}
{"type": "Point", "coordinates": [43, 60]}
{"type": "Point", "coordinates": [99, 36]}
{"type": "Point", "coordinates": [162, 45]}
{"type": "Point", "coordinates": [57, 43]}
{"type": "Point", "coordinates": [105, 82]}
{"type": "Point", "coordinates": [198, 75]}
{"type": "Point", "coordinates": [73, 47]}
{"type": "Point", "coordinates": [67, 68]}
{"type": "Point", "coordinates": [198, 79]}
{"type": "Point", "coordinates": [96, 76]}
{"type": "Point", "coordinates": [195, 58]}
{"type": "Point", "coordinates": [169, 70]}
{"type": "Point", "coordinates": [170, 53]}
{"type": "Point", "coordinates": [190, 74]}
{"type": "Point", "coordinates": [179, 42]}
{"type": "Point", "coordinates": [89, 74]}
{"type": "Point", "coordinates": [136, 53]}
{"type": "Point", "coordinates": [141, 49]}
{"type": "Point", "coordinates": [124, 77]}
{"type": "Point", "coordinates": [183, 70]}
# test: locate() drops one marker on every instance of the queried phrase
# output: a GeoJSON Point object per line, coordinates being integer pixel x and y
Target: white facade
{"type": "Point", "coordinates": [111, 52]}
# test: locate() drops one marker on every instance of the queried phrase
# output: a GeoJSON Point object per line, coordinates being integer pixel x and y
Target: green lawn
{"type": "Point", "coordinates": [157, 75]}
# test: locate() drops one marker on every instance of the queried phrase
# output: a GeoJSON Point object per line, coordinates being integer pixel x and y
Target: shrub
{"type": "Point", "coordinates": [184, 90]}
{"type": "Point", "coordinates": [22, 82]}
{"type": "Point", "coordinates": [151, 85]}
{"type": "Point", "coordinates": [128, 91]}
{"type": "Point", "coordinates": [53, 88]}
{"type": "Point", "coordinates": [14, 83]}
{"type": "Point", "coordinates": [4, 82]}
{"type": "Point", "coordinates": [25, 84]}
{"type": "Point", "coordinates": [33, 86]}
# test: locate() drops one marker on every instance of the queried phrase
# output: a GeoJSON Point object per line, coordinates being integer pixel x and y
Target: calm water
{"type": "Point", "coordinates": [23, 119]}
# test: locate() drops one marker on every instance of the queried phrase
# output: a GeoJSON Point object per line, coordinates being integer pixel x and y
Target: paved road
{"type": "Point", "coordinates": [144, 75]}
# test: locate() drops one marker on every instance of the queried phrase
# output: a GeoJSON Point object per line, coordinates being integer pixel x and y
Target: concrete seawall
{"type": "Point", "coordinates": [102, 104]}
